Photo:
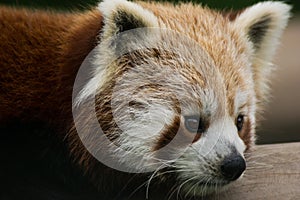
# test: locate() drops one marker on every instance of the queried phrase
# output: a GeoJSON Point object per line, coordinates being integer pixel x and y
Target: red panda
{"type": "Point", "coordinates": [159, 75]}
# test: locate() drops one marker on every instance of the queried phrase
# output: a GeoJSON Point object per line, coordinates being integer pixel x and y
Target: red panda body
{"type": "Point", "coordinates": [39, 60]}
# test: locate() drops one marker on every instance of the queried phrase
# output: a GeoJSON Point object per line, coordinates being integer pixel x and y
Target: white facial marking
{"type": "Point", "coordinates": [241, 98]}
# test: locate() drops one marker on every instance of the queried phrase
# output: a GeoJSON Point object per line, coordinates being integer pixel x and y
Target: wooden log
{"type": "Point", "coordinates": [273, 172]}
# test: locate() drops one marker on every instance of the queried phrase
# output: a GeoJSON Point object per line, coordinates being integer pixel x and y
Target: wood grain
{"type": "Point", "coordinates": [273, 173]}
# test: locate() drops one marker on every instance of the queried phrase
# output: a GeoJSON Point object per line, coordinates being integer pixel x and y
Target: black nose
{"type": "Point", "coordinates": [233, 166]}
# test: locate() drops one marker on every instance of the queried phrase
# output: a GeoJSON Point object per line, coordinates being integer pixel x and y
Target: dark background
{"type": "Point", "coordinates": [282, 116]}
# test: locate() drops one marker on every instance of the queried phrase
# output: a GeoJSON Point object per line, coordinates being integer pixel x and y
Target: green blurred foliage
{"type": "Point", "coordinates": [83, 4]}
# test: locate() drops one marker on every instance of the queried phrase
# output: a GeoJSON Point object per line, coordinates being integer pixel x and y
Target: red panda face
{"type": "Point", "coordinates": [171, 101]}
{"type": "Point", "coordinates": [164, 106]}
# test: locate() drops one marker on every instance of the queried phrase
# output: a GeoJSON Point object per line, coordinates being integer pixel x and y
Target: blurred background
{"type": "Point", "coordinates": [282, 117]}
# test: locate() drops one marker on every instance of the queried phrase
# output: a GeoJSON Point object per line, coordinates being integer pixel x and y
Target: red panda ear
{"type": "Point", "coordinates": [263, 25]}
{"type": "Point", "coordinates": [121, 15]}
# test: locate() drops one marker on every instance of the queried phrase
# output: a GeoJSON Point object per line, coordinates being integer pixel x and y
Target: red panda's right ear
{"type": "Point", "coordinates": [121, 15]}
{"type": "Point", "coordinates": [263, 24]}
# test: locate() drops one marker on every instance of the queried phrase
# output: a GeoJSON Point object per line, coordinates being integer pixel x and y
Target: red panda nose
{"type": "Point", "coordinates": [233, 166]}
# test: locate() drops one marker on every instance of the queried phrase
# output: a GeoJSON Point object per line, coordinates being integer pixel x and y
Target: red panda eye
{"type": "Point", "coordinates": [240, 122]}
{"type": "Point", "coordinates": [193, 124]}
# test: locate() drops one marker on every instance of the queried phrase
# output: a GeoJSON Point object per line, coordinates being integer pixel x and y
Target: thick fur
{"type": "Point", "coordinates": [39, 62]}
{"type": "Point", "coordinates": [41, 52]}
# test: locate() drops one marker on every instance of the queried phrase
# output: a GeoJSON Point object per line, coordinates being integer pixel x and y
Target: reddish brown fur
{"type": "Point", "coordinates": [41, 53]}
{"type": "Point", "coordinates": [39, 59]}
{"type": "Point", "coordinates": [30, 48]}
{"type": "Point", "coordinates": [245, 133]}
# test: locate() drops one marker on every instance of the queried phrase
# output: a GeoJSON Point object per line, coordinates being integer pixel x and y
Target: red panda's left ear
{"type": "Point", "coordinates": [263, 25]}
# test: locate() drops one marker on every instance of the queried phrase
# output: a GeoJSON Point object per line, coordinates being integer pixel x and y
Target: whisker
{"type": "Point", "coordinates": [186, 195]}
{"type": "Point", "coordinates": [178, 191]}
{"type": "Point", "coordinates": [172, 191]}
{"type": "Point", "coordinates": [151, 177]}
